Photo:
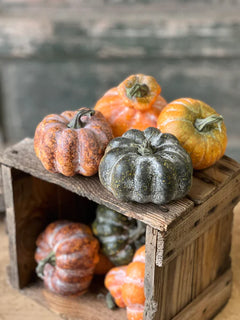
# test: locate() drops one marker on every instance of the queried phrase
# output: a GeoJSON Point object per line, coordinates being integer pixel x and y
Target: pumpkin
{"type": "Point", "coordinates": [146, 166]}
{"type": "Point", "coordinates": [67, 254]}
{"type": "Point", "coordinates": [134, 104]}
{"type": "Point", "coordinates": [113, 282]}
{"type": "Point", "coordinates": [133, 287]}
{"type": "Point", "coordinates": [199, 129]}
{"type": "Point", "coordinates": [72, 142]}
{"type": "Point", "coordinates": [119, 235]}
{"type": "Point", "coordinates": [103, 265]}
{"type": "Point", "coordinates": [126, 286]}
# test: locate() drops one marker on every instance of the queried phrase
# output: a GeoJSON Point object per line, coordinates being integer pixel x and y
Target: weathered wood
{"type": "Point", "coordinates": [163, 30]}
{"type": "Point", "coordinates": [11, 225]}
{"type": "Point", "coordinates": [210, 301]}
{"type": "Point", "coordinates": [171, 287]}
{"type": "Point", "coordinates": [183, 232]}
{"type": "Point", "coordinates": [2, 205]}
{"type": "Point", "coordinates": [89, 306]}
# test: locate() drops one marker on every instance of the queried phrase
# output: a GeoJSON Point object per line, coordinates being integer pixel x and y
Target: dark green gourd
{"type": "Point", "coordinates": [119, 235]}
{"type": "Point", "coordinates": [146, 166]}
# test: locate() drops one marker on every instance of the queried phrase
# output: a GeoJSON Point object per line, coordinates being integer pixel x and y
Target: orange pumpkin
{"type": "Point", "coordinates": [126, 285]}
{"type": "Point", "coordinates": [67, 254]}
{"type": "Point", "coordinates": [104, 264]}
{"type": "Point", "coordinates": [133, 287]}
{"type": "Point", "coordinates": [114, 281]}
{"type": "Point", "coordinates": [134, 104]}
{"type": "Point", "coordinates": [72, 142]}
{"type": "Point", "coordinates": [199, 129]}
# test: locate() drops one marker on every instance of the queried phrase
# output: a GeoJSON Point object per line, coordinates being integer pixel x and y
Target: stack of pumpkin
{"type": "Point", "coordinates": [144, 150]}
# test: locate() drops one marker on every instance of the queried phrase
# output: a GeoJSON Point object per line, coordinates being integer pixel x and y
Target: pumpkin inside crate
{"type": "Point", "coordinates": [188, 241]}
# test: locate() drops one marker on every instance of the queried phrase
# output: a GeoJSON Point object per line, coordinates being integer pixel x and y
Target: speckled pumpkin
{"type": "Point", "coordinates": [199, 129]}
{"type": "Point", "coordinates": [114, 281]}
{"type": "Point", "coordinates": [134, 104]}
{"type": "Point", "coordinates": [126, 285]}
{"type": "Point", "coordinates": [119, 235]}
{"type": "Point", "coordinates": [67, 254]}
{"type": "Point", "coordinates": [72, 142]}
{"type": "Point", "coordinates": [146, 166]}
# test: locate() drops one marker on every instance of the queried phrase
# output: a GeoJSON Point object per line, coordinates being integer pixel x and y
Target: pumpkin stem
{"type": "Point", "coordinates": [50, 258]}
{"type": "Point", "coordinates": [204, 124]}
{"type": "Point", "coordinates": [136, 233]}
{"type": "Point", "coordinates": [137, 91]}
{"type": "Point", "coordinates": [111, 304]}
{"type": "Point", "coordinates": [146, 148]}
{"type": "Point", "coordinates": [76, 122]}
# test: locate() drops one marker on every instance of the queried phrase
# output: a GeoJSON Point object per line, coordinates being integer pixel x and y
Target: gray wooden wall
{"type": "Point", "coordinates": [63, 54]}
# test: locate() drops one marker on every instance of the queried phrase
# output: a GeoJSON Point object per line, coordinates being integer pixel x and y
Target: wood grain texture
{"type": "Point", "coordinates": [2, 205]}
{"type": "Point", "coordinates": [163, 30]}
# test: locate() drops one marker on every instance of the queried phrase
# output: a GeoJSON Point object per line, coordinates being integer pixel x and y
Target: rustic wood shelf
{"type": "Point", "coordinates": [188, 241]}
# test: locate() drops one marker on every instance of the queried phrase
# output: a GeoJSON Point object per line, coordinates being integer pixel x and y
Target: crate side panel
{"type": "Point", "coordinates": [168, 289]}
{"type": "Point", "coordinates": [212, 254]}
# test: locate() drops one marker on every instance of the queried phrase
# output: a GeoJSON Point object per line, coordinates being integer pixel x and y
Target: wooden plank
{"type": "Point", "coordinates": [210, 301]}
{"type": "Point", "coordinates": [182, 232]}
{"type": "Point", "coordinates": [2, 205]}
{"type": "Point", "coordinates": [22, 157]}
{"type": "Point", "coordinates": [11, 225]}
{"type": "Point", "coordinates": [212, 254]}
{"type": "Point", "coordinates": [88, 306]}
{"type": "Point", "coordinates": [168, 289]}
{"type": "Point", "coordinates": [47, 31]}
{"type": "Point", "coordinates": [206, 182]}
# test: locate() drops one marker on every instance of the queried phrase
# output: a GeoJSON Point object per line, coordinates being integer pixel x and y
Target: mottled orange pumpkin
{"type": "Point", "coordinates": [133, 287]}
{"type": "Point", "coordinates": [134, 104]}
{"type": "Point", "coordinates": [114, 281]}
{"type": "Point", "coordinates": [72, 142]}
{"type": "Point", "coordinates": [67, 254]}
{"type": "Point", "coordinates": [126, 285]}
{"type": "Point", "coordinates": [198, 127]}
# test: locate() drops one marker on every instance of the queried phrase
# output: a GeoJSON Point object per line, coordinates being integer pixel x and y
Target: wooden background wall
{"type": "Point", "coordinates": [63, 54]}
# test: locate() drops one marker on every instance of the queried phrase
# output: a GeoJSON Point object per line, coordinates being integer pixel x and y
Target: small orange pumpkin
{"type": "Point", "coordinates": [198, 127]}
{"type": "Point", "coordinates": [114, 281]}
{"type": "Point", "coordinates": [72, 142]}
{"type": "Point", "coordinates": [126, 285]}
{"type": "Point", "coordinates": [133, 287]}
{"type": "Point", "coordinates": [67, 254]}
{"type": "Point", "coordinates": [134, 104]}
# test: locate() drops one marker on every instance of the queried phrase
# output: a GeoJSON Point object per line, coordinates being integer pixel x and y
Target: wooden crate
{"type": "Point", "coordinates": [188, 266]}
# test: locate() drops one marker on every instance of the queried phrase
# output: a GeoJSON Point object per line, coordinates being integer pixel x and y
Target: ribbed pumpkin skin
{"type": "Point", "coordinates": [206, 146]}
{"type": "Point", "coordinates": [124, 113]}
{"type": "Point", "coordinates": [146, 166]}
{"type": "Point", "coordinates": [133, 287]}
{"type": "Point", "coordinates": [76, 254]}
{"type": "Point", "coordinates": [126, 285]}
{"type": "Point", "coordinates": [115, 232]}
{"type": "Point", "coordinates": [72, 150]}
{"type": "Point", "coordinates": [114, 281]}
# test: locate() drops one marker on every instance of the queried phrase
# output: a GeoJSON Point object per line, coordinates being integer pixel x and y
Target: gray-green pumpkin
{"type": "Point", "coordinates": [146, 166]}
{"type": "Point", "coordinates": [119, 235]}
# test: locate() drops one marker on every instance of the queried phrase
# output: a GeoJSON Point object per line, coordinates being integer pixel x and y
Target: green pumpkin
{"type": "Point", "coordinates": [119, 235]}
{"type": "Point", "coordinates": [146, 166]}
